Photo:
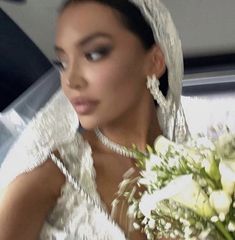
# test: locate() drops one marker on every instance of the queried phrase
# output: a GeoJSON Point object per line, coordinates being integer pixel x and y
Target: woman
{"type": "Point", "coordinates": [59, 183]}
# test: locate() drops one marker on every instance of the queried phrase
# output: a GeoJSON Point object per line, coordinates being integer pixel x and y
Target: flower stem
{"type": "Point", "coordinates": [219, 225]}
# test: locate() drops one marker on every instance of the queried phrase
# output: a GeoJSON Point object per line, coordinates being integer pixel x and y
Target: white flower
{"type": "Point", "coordinates": [162, 144]}
{"type": "Point", "coordinates": [183, 190]}
{"type": "Point", "coordinates": [151, 223]}
{"type": "Point", "coordinates": [226, 146]}
{"type": "Point", "coordinates": [226, 149]}
{"type": "Point", "coordinates": [227, 172]}
{"type": "Point", "coordinates": [222, 217]}
{"type": "Point", "coordinates": [147, 204]}
{"type": "Point", "coordinates": [153, 161]}
{"type": "Point", "coordinates": [168, 226]}
{"type": "Point", "coordinates": [215, 219]}
{"type": "Point", "coordinates": [204, 234]}
{"type": "Point", "coordinates": [193, 156]}
{"type": "Point", "coordinates": [192, 196]}
{"type": "Point", "coordinates": [206, 164]}
{"type": "Point", "coordinates": [148, 178]}
{"type": "Point", "coordinates": [174, 162]}
{"type": "Point", "coordinates": [220, 201]}
{"type": "Point", "coordinates": [149, 175]}
{"type": "Point", "coordinates": [231, 226]}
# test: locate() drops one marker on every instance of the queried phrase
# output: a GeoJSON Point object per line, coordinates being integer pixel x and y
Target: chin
{"type": "Point", "coordinates": [87, 125]}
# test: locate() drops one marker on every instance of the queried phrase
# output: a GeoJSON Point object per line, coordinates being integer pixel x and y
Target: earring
{"type": "Point", "coordinates": [153, 85]}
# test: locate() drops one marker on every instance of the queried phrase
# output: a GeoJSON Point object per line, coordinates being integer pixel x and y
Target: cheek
{"type": "Point", "coordinates": [114, 79]}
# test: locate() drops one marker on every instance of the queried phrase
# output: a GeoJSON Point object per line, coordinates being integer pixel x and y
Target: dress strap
{"type": "Point", "coordinates": [73, 181]}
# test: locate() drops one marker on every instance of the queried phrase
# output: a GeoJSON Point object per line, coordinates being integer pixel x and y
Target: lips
{"type": "Point", "coordinates": [84, 106]}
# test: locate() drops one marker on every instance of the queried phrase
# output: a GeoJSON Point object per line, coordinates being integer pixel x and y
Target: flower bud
{"type": "Point", "coordinates": [162, 145]}
{"type": "Point", "coordinates": [220, 201]}
{"type": "Point", "coordinates": [227, 176]}
{"type": "Point", "coordinates": [210, 165]}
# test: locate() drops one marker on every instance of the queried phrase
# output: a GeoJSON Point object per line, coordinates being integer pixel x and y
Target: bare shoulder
{"type": "Point", "coordinates": [27, 201]}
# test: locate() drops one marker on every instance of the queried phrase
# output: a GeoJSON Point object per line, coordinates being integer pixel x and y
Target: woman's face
{"type": "Point", "coordinates": [103, 62]}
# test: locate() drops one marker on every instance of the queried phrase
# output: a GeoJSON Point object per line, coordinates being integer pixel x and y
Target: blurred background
{"type": "Point", "coordinates": [206, 27]}
{"type": "Point", "coordinates": [27, 29]}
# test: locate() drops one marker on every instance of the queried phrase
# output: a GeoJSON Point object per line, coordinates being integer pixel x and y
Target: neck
{"type": "Point", "coordinates": [139, 126]}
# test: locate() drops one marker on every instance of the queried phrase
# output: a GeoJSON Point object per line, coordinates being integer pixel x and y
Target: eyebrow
{"type": "Point", "coordinates": [86, 40]}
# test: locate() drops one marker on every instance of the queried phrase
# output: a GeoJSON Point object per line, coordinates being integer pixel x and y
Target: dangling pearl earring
{"type": "Point", "coordinates": [153, 85]}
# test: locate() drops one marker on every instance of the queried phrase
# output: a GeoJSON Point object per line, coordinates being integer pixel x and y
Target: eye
{"type": "Point", "coordinates": [60, 65]}
{"type": "Point", "coordinates": [97, 54]}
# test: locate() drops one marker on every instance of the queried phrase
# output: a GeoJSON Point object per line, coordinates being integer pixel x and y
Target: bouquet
{"type": "Point", "coordinates": [189, 189]}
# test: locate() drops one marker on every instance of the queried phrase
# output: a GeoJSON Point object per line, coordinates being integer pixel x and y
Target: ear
{"type": "Point", "coordinates": [156, 62]}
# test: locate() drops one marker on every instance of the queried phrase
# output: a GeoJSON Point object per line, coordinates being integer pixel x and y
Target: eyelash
{"type": "Point", "coordinates": [102, 52]}
{"type": "Point", "coordinates": [59, 65]}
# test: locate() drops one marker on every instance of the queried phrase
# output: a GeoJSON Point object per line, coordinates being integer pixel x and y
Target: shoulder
{"type": "Point", "coordinates": [29, 198]}
{"type": "Point", "coordinates": [46, 178]}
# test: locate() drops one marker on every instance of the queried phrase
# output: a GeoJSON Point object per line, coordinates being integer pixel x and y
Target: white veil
{"type": "Point", "coordinates": [171, 119]}
{"type": "Point", "coordinates": [18, 114]}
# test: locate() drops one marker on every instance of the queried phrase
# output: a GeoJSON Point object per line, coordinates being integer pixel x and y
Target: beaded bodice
{"type": "Point", "coordinates": [79, 213]}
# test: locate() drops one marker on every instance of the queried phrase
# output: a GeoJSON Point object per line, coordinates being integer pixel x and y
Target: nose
{"type": "Point", "coordinates": [74, 77]}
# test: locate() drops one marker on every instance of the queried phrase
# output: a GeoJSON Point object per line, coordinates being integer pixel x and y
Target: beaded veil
{"type": "Point", "coordinates": [172, 121]}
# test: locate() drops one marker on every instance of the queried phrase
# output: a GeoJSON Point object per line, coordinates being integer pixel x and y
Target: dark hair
{"type": "Point", "coordinates": [134, 21]}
